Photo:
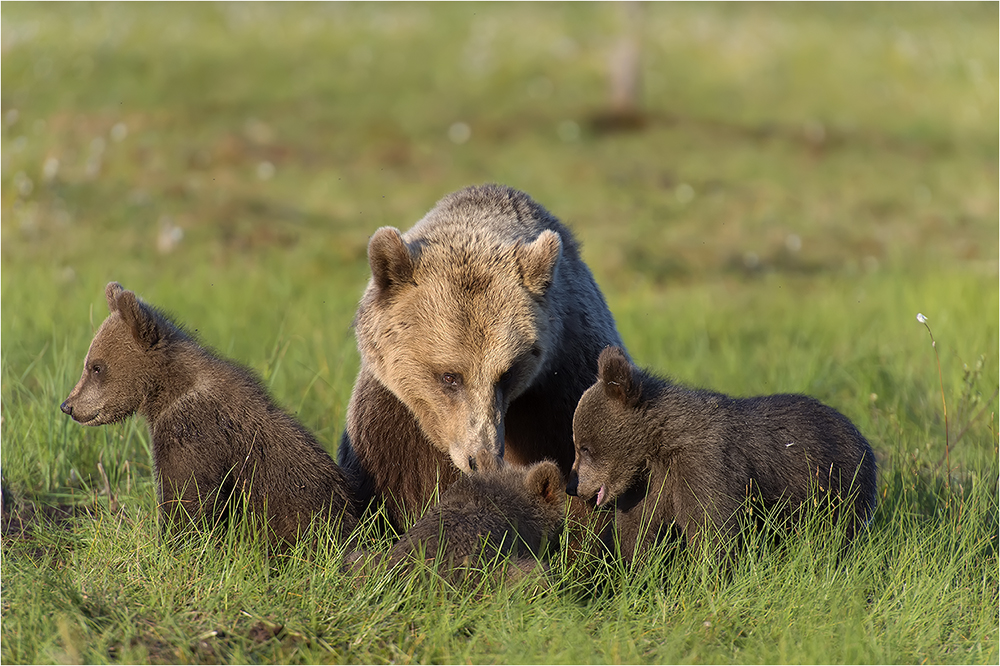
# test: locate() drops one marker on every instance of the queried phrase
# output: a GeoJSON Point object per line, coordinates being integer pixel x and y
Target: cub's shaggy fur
{"type": "Point", "coordinates": [498, 511]}
{"type": "Point", "coordinates": [667, 456]}
{"type": "Point", "coordinates": [220, 445]}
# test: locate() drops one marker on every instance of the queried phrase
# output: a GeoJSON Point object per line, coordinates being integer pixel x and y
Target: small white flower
{"type": "Point", "coordinates": [265, 170]}
{"type": "Point", "coordinates": [684, 193]}
{"type": "Point", "coordinates": [119, 132]}
{"type": "Point", "coordinates": [922, 319]}
{"type": "Point", "coordinates": [51, 168]}
{"type": "Point", "coordinates": [459, 132]}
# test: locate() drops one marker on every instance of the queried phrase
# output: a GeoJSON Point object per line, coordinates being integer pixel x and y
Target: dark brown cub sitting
{"type": "Point", "coordinates": [220, 445]}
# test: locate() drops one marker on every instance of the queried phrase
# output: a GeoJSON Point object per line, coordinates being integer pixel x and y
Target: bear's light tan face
{"type": "Point", "coordinates": [457, 329]}
{"type": "Point", "coordinates": [457, 360]}
{"type": "Point", "coordinates": [111, 387]}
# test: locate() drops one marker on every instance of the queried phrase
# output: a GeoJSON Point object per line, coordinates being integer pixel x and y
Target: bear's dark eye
{"type": "Point", "coordinates": [451, 380]}
{"type": "Point", "coordinates": [505, 380]}
{"type": "Point", "coordinates": [585, 450]}
{"type": "Point", "coordinates": [97, 368]}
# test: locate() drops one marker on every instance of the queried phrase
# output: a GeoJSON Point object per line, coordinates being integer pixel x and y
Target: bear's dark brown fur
{"type": "Point", "coordinates": [220, 445]}
{"type": "Point", "coordinates": [479, 330]}
{"type": "Point", "coordinates": [497, 511]}
{"type": "Point", "coordinates": [670, 457]}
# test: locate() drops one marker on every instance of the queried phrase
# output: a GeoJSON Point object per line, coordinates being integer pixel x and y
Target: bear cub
{"type": "Point", "coordinates": [501, 510]}
{"type": "Point", "coordinates": [672, 458]}
{"type": "Point", "coordinates": [220, 445]}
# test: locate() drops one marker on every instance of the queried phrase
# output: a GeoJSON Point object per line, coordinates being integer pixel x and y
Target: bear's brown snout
{"type": "Point", "coordinates": [70, 410]}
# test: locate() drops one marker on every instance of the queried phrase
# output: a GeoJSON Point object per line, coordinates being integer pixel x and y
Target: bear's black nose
{"type": "Point", "coordinates": [66, 408]}
{"type": "Point", "coordinates": [571, 484]}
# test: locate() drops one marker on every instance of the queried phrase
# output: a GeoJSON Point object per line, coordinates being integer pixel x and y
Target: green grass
{"type": "Point", "coordinates": [810, 177]}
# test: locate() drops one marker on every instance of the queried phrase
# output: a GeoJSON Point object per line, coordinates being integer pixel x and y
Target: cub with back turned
{"type": "Point", "coordinates": [499, 510]}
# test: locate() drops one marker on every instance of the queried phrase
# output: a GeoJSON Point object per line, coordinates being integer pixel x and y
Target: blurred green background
{"type": "Point", "coordinates": [807, 178]}
{"type": "Point", "coordinates": [800, 181]}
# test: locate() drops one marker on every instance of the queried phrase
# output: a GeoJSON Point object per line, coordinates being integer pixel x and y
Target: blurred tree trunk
{"type": "Point", "coordinates": [624, 79]}
{"type": "Point", "coordinates": [625, 61]}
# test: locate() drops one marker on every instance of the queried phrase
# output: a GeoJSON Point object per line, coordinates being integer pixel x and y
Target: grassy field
{"type": "Point", "coordinates": [809, 177]}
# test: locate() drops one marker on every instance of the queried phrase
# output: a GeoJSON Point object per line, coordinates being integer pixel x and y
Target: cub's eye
{"type": "Point", "coordinates": [585, 451]}
{"type": "Point", "coordinates": [451, 380]}
{"type": "Point", "coordinates": [97, 368]}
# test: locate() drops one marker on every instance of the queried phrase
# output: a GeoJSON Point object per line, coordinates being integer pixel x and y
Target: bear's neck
{"type": "Point", "coordinates": [178, 372]}
{"type": "Point", "coordinates": [676, 414]}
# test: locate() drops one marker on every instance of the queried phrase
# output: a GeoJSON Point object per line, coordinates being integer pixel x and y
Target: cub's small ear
{"type": "Point", "coordinates": [111, 292]}
{"type": "Point", "coordinates": [538, 261]}
{"type": "Point", "coordinates": [544, 480]}
{"type": "Point", "coordinates": [390, 260]}
{"type": "Point", "coordinates": [140, 321]}
{"type": "Point", "coordinates": [618, 376]}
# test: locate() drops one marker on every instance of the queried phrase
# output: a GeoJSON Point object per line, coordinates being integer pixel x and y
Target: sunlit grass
{"type": "Point", "coordinates": [912, 589]}
{"type": "Point", "coordinates": [810, 177]}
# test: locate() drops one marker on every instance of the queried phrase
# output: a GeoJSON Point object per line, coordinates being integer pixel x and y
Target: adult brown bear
{"type": "Point", "coordinates": [480, 329]}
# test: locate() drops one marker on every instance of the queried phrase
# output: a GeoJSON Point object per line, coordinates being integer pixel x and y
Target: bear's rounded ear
{"type": "Point", "coordinates": [616, 373]}
{"type": "Point", "coordinates": [544, 480]}
{"type": "Point", "coordinates": [140, 321]}
{"type": "Point", "coordinates": [538, 261]}
{"type": "Point", "coordinates": [390, 259]}
{"type": "Point", "coordinates": [111, 293]}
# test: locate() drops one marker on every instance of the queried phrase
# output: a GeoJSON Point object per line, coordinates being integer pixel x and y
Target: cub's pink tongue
{"type": "Point", "coordinates": [600, 496]}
